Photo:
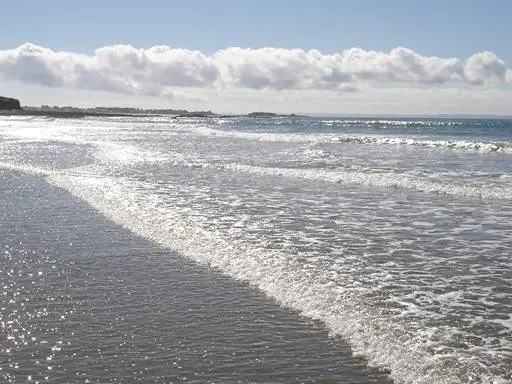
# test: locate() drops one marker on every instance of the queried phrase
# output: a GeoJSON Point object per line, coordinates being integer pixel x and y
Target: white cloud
{"type": "Point", "coordinates": [374, 101]}
{"type": "Point", "coordinates": [32, 64]}
{"type": "Point", "coordinates": [401, 65]}
{"type": "Point", "coordinates": [353, 81]}
{"type": "Point", "coordinates": [486, 67]}
{"type": "Point", "coordinates": [160, 70]}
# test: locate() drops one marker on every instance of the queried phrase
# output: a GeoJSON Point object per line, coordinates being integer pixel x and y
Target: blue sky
{"type": "Point", "coordinates": [438, 28]}
{"type": "Point", "coordinates": [446, 29]}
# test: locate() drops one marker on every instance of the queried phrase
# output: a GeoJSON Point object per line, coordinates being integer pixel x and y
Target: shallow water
{"type": "Point", "coordinates": [84, 300]}
{"type": "Point", "coordinates": [395, 234]}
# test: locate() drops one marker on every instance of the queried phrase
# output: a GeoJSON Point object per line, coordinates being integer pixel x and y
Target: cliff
{"type": "Point", "coordinates": [6, 103]}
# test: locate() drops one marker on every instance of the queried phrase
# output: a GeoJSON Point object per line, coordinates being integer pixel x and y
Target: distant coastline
{"type": "Point", "coordinates": [75, 112]}
{"type": "Point", "coordinates": [12, 107]}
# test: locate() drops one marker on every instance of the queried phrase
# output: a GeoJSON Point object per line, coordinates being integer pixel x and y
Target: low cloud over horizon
{"type": "Point", "coordinates": [171, 73]}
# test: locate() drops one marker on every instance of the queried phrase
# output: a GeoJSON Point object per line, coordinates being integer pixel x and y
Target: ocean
{"type": "Point", "coordinates": [237, 250]}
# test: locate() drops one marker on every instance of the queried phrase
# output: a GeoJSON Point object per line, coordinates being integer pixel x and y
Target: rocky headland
{"type": "Point", "coordinates": [9, 104]}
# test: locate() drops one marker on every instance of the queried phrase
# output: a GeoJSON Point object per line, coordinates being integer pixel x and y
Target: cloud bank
{"type": "Point", "coordinates": [159, 70]}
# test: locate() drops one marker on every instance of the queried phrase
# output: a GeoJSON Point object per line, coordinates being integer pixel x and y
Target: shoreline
{"type": "Point", "coordinates": [66, 114]}
{"type": "Point", "coordinates": [89, 113]}
{"type": "Point", "coordinates": [120, 308]}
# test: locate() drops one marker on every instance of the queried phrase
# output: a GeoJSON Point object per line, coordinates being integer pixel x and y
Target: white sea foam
{"type": "Point", "coordinates": [28, 169]}
{"type": "Point", "coordinates": [456, 144]}
{"type": "Point", "coordinates": [392, 122]}
{"type": "Point", "coordinates": [146, 211]}
{"type": "Point", "coordinates": [319, 254]}
{"type": "Point", "coordinates": [492, 146]}
{"type": "Point", "coordinates": [127, 154]}
{"type": "Point", "coordinates": [382, 180]}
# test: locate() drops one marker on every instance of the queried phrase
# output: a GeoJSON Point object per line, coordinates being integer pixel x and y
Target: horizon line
{"type": "Point", "coordinates": [298, 114]}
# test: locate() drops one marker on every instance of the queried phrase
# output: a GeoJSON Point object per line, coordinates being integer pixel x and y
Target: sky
{"type": "Point", "coordinates": [324, 56]}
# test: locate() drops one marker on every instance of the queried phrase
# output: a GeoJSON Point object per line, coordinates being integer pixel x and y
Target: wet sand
{"type": "Point", "coordinates": [85, 300]}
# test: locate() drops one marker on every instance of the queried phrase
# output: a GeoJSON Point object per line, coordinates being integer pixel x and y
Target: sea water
{"type": "Point", "coordinates": [395, 234]}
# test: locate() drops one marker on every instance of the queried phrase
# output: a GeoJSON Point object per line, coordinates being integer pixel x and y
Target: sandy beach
{"type": "Point", "coordinates": [85, 300]}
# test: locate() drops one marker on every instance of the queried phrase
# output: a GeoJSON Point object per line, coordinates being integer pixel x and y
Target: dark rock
{"type": "Point", "coordinates": [7, 103]}
{"type": "Point", "coordinates": [270, 115]}
{"type": "Point", "coordinates": [194, 114]}
{"type": "Point", "coordinates": [262, 114]}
